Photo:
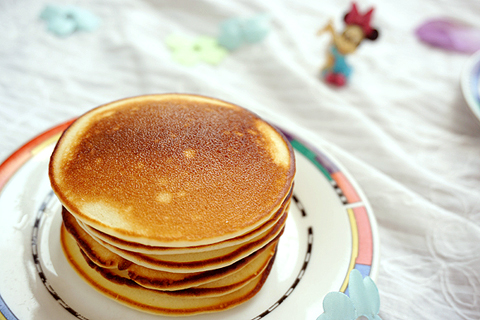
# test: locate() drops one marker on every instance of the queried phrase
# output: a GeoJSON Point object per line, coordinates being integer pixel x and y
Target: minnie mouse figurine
{"type": "Point", "coordinates": [357, 28]}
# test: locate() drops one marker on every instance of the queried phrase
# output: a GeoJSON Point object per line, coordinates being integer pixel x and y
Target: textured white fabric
{"type": "Point", "coordinates": [401, 127]}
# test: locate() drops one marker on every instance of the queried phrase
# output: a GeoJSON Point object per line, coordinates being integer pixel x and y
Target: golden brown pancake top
{"type": "Point", "coordinates": [172, 169]}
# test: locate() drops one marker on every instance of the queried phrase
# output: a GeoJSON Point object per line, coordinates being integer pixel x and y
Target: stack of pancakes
{"type": "Point", "coordinates": [172, 204]}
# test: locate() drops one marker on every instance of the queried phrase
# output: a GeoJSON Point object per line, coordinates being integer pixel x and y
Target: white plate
{"type": "Point", "coordinates": [330, 230]}
{"type": "Point", "coordinates": [470, 82]}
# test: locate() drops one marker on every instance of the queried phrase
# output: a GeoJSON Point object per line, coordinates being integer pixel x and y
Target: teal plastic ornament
{"type": "Point", "coordinates": [65, 20]}
{"type": "Point", "coordinates": [364, 300]}
{"type": "Point", "coordinates": [236, 32]}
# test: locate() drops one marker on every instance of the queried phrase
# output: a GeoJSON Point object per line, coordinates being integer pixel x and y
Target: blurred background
{"type": "Point", "coordinates": [401, 125]}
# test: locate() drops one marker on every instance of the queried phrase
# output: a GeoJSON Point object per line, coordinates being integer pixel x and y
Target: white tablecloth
{"type": "Point", "coordinates": [401, 127]}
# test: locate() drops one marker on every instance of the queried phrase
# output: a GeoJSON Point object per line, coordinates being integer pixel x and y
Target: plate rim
{"type": "Point", "coordinates": [18, 158]}
{"type": "Point", "coordinates": [373, 272]}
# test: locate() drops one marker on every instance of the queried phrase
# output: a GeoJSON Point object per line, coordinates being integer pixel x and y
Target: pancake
{"type": "Point", "coordinates": [137, 247]}
{"type": "Point", "coordinates": [178, 263]}
{"type": "Point", "coordinates": [101, 252]}
{"type": "Point", "coordinates": [172, 204]}
{"type": "Point", "coordinates": [154, 301]}
{"type": "Point", "coordinates": [230, 283]}
{"type": "Point", "coordinates": [157, 279]}
{"type": "Point", "coordinates": [247, 269]}
{"type": "Point", "coordinates": [119, 277]}
{"type": "Point", "coordinates": [95, 252]}
{"type": "Point", "coordinates": [172, 170]}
